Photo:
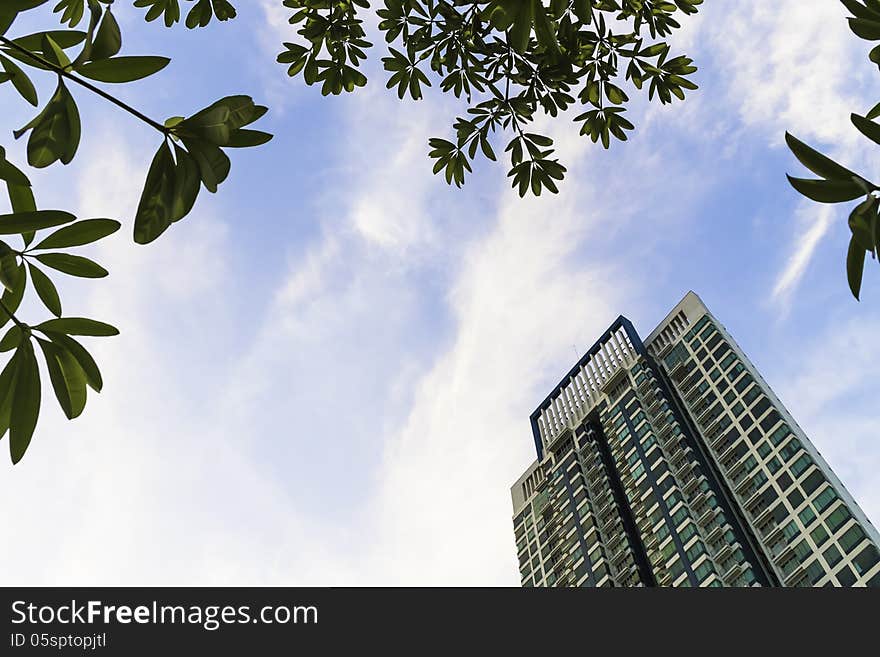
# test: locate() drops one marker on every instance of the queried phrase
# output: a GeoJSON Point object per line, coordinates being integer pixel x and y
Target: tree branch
{"type": "Point", "coordinates": [84, 83]}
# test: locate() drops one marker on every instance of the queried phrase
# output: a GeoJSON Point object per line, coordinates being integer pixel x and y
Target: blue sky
{"type": "Point", "coordinates": [326, 371]}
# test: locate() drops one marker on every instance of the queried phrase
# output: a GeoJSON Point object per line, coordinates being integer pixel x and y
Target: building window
{"type": "Point", "coordinates": [819, 535]}
{"type": "Point", "coordinates": [851, 538]}
{"type": "Point", "coordinates": [832, 556]}
{"type": "Point", "coordinates": [807, 516]}
{"type": "Point", "coordinates": [846, 576]}
{"type": "Point", "coordinates": [798, 467]}
{"type": "Point", "coordinates": [813, 482]}
{"type": "Point", "coordinates": [867, 559]}
{"type": "Point", "coordinates": [825, 499]}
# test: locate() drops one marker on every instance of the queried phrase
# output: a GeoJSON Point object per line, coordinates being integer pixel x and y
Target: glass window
{"type": "Point", "coordinates": [779, 434]}
{"type": "Point", "coordinates": [728, 361]}
{"type": "Point", "coordinates": [704, 570]}
{"type": "Point", "coordinates": [867, 559]}
{"type": "Point", "coordinates": [825, 498]}
{"type": "Point", "coordinates": [838, 518]}
{"type": "Point", "coordinates": [851, 538]}
{"type": "Point", "coordinates": [819, 535]}
{"type": "Point", "coordinates": [679, 516]}
{"type": "Point", "coordinates": [662, 532]}
{"type": "Point", "coordinates": [771, 420]}
{"type": "Point", "coordinates": [696, 551]}
{"type": "Point", "coordinates": [813, 482]}
{"type": "Point", "coordinates": [807, 516]}
{"type": "Point", "coordinates": [784, 481]}
{"type": "Point", "coordinates": [791, 530]}
{"type": "Point", "coordinates": [846, 576]}
{"type": "Point", "coordinates": [687, 532]}
{"type": "Point", "coordinates": [798, 467]}
{"type": "Point", "coordinates": [759, 408]}
{"type": "Point", "coordinates": [815, 572]}
{"type": "Point", "coordinates": [802, 550]}
{"type": "Point", "coordinates": [832, 555]}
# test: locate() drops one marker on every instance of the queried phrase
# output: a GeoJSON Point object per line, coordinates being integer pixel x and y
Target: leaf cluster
{"type": "Point", "coordinates": [191, 156]}
{"type": "Point", "coordinates": [510, 60]}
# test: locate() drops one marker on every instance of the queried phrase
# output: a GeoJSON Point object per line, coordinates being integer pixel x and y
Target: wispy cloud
{"type": "Point", "coordinates": [792, 66]}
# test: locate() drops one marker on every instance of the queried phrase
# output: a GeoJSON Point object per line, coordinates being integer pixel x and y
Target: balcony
{"type": "Point", "coordinates": [732, 572]}
{"type": "Point", "coordinates": [794, 574]}
{"type": "Point", "coordinates": [559, 437]}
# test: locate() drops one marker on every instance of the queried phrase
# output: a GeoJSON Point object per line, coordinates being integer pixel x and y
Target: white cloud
{"type": "Point", "coordinates": [519, 304]}
{"type": "Point", "coordinates": [795, 66]}
{"type": "Point", "coordinates": [814, 225]}
{"type": "Point", "coordinates": [154, 484]}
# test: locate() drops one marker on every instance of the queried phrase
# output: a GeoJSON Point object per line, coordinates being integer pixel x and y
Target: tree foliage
{"type": "Point", "coordinates": [191, 156]}
{"type": "Point", "coordinates": [836, 183]}
{"type": "Point", "coordinates": [511, 60]}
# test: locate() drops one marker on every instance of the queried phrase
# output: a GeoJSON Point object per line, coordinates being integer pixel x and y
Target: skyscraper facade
{"type": "Point", "coordinates": [671, 462]}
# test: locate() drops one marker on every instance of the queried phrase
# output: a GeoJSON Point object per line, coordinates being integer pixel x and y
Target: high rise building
{"type": "Point", "coordinates": [671, 462]}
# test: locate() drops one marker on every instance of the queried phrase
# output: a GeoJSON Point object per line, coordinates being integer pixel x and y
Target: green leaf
{"type": "Point", "coordinates": [867, 127]}
{"type": "Point", "coordinates": [170, 9]}
{"type": "Point", "coordinates": [53, 53]}
{"type": "Point", "coordinates": [46, 290]}
{"type": "Point", "coordinates": [11, 173]}
{"type": "Point", "coordinates": [213, 163]}
{"type": "Point", "coordinates": [9, 270]}
{"type": "Point", "coordinates": [187, 183]}
{"type": "Point", "coordinates": [78, 326]}
{"type": "Point", "coordinates": [12, 300]}
{"type": "Point", "coordinates": [816, 162]}
{"type": "Point", "coordinates": [20, 81]}
{"type": "Point", "coordinates": [521, 29]}
{"type": "Point", "coordinates": [248, 138]}
{"type": "Point", "coordinates": [79, 234]}
{"type": "Point", "coordinates": [855, 266]}
{"type": "Point", "coordinates": [866, 29]}
{"type": "Point", "coordinates": [217, 122]}
{"type": "Point", "coordinates": [73, 265]}
{"type": "Point", "coordinates": [11, 340]}
{"type": "Point", "coordinates": [827, 191]}
{"type": "Point", "coordinates": [861, 222]}
{"type": "Point", "coordinates": [56, 131]}
{"type": "Point", "coordinates": [7, 394]}
{"type": "Point", "coordinates": [25, 402]}
{"type": "Point", "coordinates": [122, 69]}
{"type": "Point", "coordinates": [7, 17]}
{"type": "Point", "coordinates": [22, 222]}
{"type": "Point", "coordinates": [545, 30]}
{"type": "Point", "coordinates": [154, 210]}
{"type": "Point", "coordinates": [108, 40]}
{"type": "Point", "coordinates": [67, 377]}
{"type": "Point", "coordinates": [63, 38]}
{"type": "Point", "coordinates": [85, 360]}
{"type": "Point", "coordinates": [169, 193]}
